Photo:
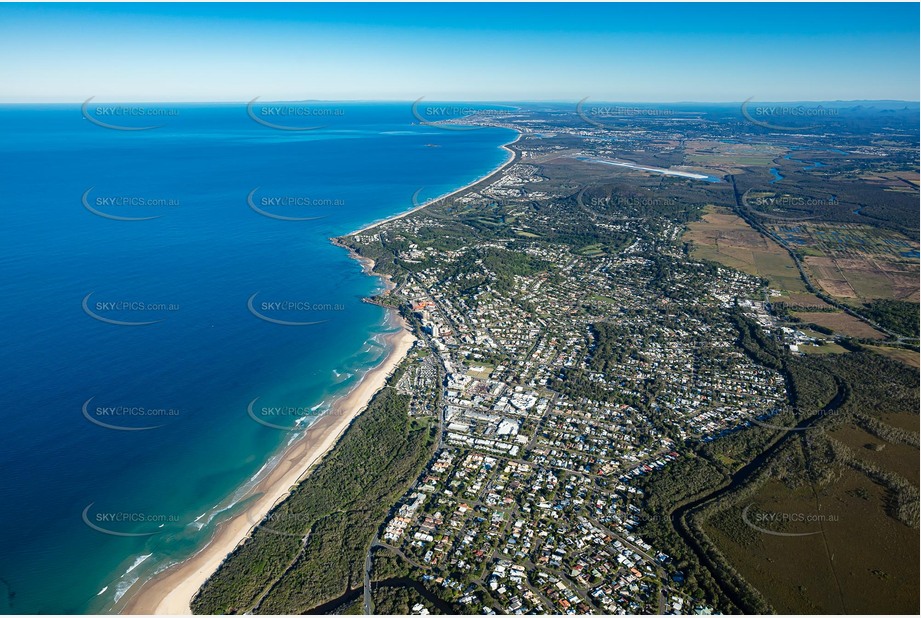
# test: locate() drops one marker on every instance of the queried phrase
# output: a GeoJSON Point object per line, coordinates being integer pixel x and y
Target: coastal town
{"type": "Point", "coordinates": [444, 309]}
{"type": "Point", "coordinates": [530, 504]}
{"type": "Point", "coordinates": [606, 329]}
{"type": "Point", "coordinates": [571, 371]}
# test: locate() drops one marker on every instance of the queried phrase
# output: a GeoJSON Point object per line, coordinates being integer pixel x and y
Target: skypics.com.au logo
{"type": "Point", "coordinates": [126, 117]}
{"type": "Point", "coordinates": [785, 117]}
{"type": "Point", "coordinates": [292, 116]}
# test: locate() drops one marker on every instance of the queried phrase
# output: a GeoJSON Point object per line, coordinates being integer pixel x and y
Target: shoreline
{"type": "Point", "coordinates": [513, 156]}
{"type": "Point", "coordinates": [172, 591]}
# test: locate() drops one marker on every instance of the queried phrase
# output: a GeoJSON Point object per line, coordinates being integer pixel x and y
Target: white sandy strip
{"type": "Point", "coordinates": [171, 591]}
{"type": "Point", "coordinates": [658, 170]}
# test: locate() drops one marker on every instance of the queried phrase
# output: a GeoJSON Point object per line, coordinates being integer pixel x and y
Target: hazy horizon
{"type": "Point", "coordinates": [507, 102]}
{"type": "Point", "coordinates": [452, 52]}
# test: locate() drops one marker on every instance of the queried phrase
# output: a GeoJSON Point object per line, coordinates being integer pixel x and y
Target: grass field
{"type": "Point", "coordinates": [899, 458]}
{"type": "Point", "coordinates": [909, 357]}
{"type": "Point", "coordinates": [842, 323]}
{"type": "Point", "coordinates": [902, 420]}
{"type": "Point", "coordinates": [836, 568]}
{"type": "Point", "coordinates": [827, 348]}
{"type": "Point", "coordinates": [604, 299]}
{"type": "Point", "coordinates": [904, 181]}
{"type": "Point", "coordinates": [865, 277]}
{"type": "Point", "coordinates": [483, 373]}
{"type": "Point", "coordinates": [721, 236]}
{"type": "Point", "coordinates": [832, 527]}
{"type": "Point", "coordinates": [731, 157]}
{"type": "Point", "coordinates": [591, 250]}
{"type": "Point", "coordinates": [804, 300]}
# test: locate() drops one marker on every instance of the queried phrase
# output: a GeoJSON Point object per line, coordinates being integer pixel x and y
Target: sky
{"type": "Point", "coordinates": [459, 52]}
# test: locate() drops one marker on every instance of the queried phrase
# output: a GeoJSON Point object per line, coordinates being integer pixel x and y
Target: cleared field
{"type": "Point", "coordinates": [827, 348]}
{"type": "Point", "coordinates": [902, 280]}
{"type": "Point", "coordinates": [829, 277]}
{"type": "Point", "coordinates": [812, 332]}
{"type": "Point", "coordinates": [899, 458]}
{"type": "Point", "coordinates": [856, 261]}
{"type": "Point", "coordinates": [591, 250]}
{"type": "Point", "coordinates": [855, 561]}
{"type": "Point", "coordinates": [730, 156]}
{"type": "Point", "coordinates": [847, 240]}
{"type": "Point", "coordinates": [902, 420]}
{"type": "Point", "coordinates": [722, 236]}
{"type": "Point", "coordinates": [906, 181]}
{"type": "Point", "coordinates": [909, 357]}
{"type": "Point", "coordinates": [480, 371]}
{"type": "Point", "coordinates": [804, 300]}
{"type": "Point", "coordinates": [604, 299]}
{"type": "Point", "coordinates": [841, 322]}
{"type": "Point", "coordinates": [867, 278]}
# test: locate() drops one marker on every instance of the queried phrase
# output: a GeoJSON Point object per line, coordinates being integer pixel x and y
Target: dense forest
{"type": "Point", "coordinates": [311, 548]}
{"type": "Point", "coordinates": [896, 315]}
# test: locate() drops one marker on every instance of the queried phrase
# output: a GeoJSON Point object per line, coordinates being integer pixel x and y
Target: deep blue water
{"type": "Point", "coordinates": [193, 372]}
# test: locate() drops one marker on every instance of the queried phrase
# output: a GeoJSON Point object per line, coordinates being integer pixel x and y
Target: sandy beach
{"type": "Point", "coordinates": [171, 591]}
{"type": "Point", "coordinates": [490, 176]}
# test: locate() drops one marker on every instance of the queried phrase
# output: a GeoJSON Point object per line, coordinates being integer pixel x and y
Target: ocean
{"type": "Point", "coordinates": [173, 308]}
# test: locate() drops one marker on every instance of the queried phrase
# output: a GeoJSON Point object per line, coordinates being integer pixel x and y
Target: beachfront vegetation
{"type": "Point", "coordinates": [311, 548]}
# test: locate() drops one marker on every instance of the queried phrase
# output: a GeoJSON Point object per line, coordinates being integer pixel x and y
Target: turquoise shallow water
{"type": "Point", "coordinates": [147, 431]}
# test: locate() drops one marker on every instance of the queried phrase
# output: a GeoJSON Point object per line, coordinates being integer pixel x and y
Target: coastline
{"type": "Point", "coordinates": [513, 156]}
{"type": "Point", "coordinates": [172, 591]}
